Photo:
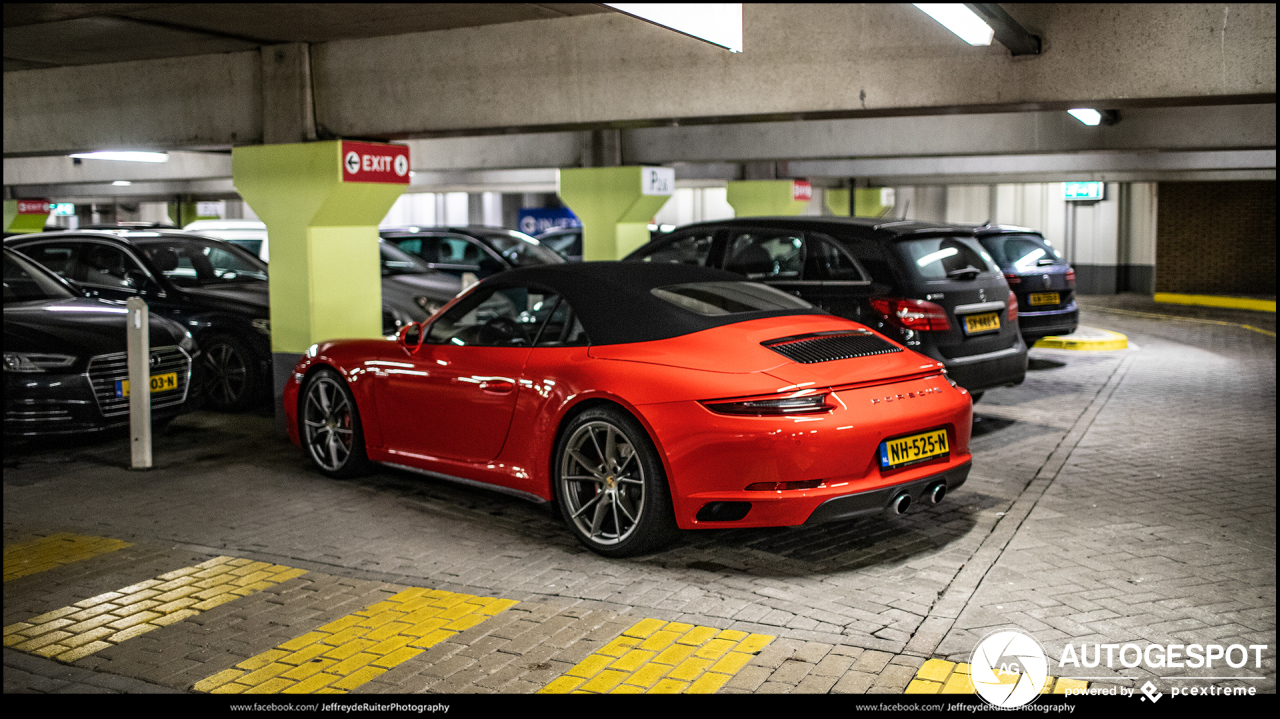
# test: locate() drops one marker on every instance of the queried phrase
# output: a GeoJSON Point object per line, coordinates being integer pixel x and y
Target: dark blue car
{"type": "Point", "coordinates": [1039, 276]}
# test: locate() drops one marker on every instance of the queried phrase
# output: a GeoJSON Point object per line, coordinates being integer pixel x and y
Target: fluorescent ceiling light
{"type": "Point", "coordinates": [127, 156]}
{"type": "Point", "coordinates": [122, 183]}
{"type": "Point", "coordinates": [716, 23]}
{"type": "Point", "coordinates": [1086, 115]}
{"type": "Point", "coordinates": [960, 20]}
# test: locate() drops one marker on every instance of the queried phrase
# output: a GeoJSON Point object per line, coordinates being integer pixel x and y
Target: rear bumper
{"type": "Point", "coordinates": [1002, 368]}
{"type": "Point", "coordinates": [876, 501]}
{"type": "Point", "coordinates": [1034, 325]}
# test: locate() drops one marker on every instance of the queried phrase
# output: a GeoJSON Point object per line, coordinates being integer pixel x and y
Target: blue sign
{"type": "Point", "coordinates": [533, 221]}
{"type": "Point", "coordinates": [1084, 191]}
{"type": "Point", "coordinates": [63, 209]}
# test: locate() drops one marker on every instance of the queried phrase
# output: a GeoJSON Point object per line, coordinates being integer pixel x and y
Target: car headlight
{"type": "Point", "coordinates": [35, 362]}
{"type": "Point", "coordinates": [262, 325]}
{"type": "Point", "coordinates": [188, 343]}
{"type": "Point", "coordinates": [427, 304]}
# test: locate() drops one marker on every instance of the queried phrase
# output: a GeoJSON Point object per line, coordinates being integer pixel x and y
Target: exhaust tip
{"type": "Point", "coordinates": [937, 492]}
{"type": "Point", "coordinates": [901, 503]}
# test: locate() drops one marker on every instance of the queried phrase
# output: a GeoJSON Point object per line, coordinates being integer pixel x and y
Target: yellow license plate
{"type": "Point", "coordinates": [159, 383]}
{"type": "Point", "coordinates": [1044, 298]}
{"type": "Point", "coordinates": [900, 452]}
{"type": "Point", "coordinates": [985, 322]}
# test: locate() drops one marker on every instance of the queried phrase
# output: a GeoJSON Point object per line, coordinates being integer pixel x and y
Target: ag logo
{"type": "Point", "coordinates": [1008, 669]}
{"type": "Point", "coordinates": [353, 162]}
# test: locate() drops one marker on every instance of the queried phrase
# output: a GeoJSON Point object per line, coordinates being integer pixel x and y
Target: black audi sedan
{"type": "Point", "coordinates": [215, 290]}
{"type": "Point", "coordinates": [930, 286]}
{"type": "Point", "coordinates": [65, 358]}
{"type": "Point", "coordinates": [1042, 280]}
{"type": "Point", "coordinates": [481, 251]}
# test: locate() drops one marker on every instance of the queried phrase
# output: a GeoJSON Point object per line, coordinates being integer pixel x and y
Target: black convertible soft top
{"type": "Point", "coordinates": [614, 302]}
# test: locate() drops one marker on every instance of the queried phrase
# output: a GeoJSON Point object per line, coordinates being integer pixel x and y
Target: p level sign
{"type": "Point", "coordinates": [657, 180]}
{"type": "Point", "coordinates": [374, 162]}
{"type": "Point", "coordinates": [1084, 191]}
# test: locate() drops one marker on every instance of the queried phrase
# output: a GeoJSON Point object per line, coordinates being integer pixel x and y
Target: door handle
{"type": "Point", "coordinates": [499, 386]}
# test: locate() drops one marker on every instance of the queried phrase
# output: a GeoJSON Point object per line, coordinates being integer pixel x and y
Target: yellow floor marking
{"type": "Point", "coordinates": [1155, 316]}
{"type": "Point", "coordinates": [348, 652]}
{"type": "Point", "coordinates": [1235, 303]}
{"type": "Point", "coordinates": [937, 676]}
{"type": "Point", "coordinates": [74, 632]}
{"type": "Point", "coordinates": [658, 657]}
{"type": "Point", "coordinates": [56, 550]}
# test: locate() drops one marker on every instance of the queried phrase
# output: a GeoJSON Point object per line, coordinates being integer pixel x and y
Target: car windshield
{"type": "Point", "coordinates": [25, 281]}
{"type": "Point", "coordinates": [728, 298]}
{"type": "Point", "coordinates": [1024, 253]}
{"type": "Point", "coordinates": [937, 258]}
{"type": "Point", "coordinates": [397, 262]}
{"type": "Point", "coordinates": [196, 262]}
{"type": "Point", "coordinates": [522, 250]}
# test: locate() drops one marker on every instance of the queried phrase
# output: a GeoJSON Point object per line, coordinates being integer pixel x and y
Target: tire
{"type": "Point", "coordinates": [610, 485]}
{"type": "Point", "coordinates": [233, 376]}
{"type": "Point", "coordinates": [329, 426]}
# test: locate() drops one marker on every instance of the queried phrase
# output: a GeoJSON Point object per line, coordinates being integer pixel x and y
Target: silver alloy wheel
{"type": "Point", "coordinates": [328, 424]}
{"type": "Point", "coordinates": [228, 373]}
{"type": "Point", "coordinates": [602, 481]}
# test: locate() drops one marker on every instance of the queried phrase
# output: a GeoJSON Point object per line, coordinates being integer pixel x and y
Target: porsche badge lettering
{"type": "Point", "coordinates": [908, 395]}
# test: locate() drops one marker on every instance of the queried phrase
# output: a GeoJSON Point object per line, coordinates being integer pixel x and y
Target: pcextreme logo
{"type": "Point", "coordinates": [1008, 669]}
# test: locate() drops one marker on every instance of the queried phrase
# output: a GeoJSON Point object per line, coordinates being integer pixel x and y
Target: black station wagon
{"type": "Point", "coordinates": [930, 286]}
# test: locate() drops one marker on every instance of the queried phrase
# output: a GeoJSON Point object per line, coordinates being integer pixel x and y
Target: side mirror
{"type": "Point", "coordinates": [137, 279]}
{"type": "Point", "coordinates": [410, 336]}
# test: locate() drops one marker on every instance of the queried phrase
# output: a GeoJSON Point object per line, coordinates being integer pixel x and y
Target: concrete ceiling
{"type": "Point", "coordinates": [42, 35]}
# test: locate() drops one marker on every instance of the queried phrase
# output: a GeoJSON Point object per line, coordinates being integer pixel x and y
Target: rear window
{"type": "Point", "coordinates": [935, 258]}
{"type": "Point", "coordinates": [728, 298]}
{"type": "Point", "coordinates": [1024, 253]}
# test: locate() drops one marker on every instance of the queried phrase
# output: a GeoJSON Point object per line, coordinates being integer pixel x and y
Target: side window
{"type": "Point", "coordinates": [687, 250]}
{"type": "Point", "coordinates": [871, 255]}
{"type": "Point", "coordinates": [563, 329]}
{"type": "Point", "coordinates": [829, 262]}
{"type": "Point", "coordinates": [460, 251]}
{"type": "Point", "coordinates": [59, 258]}
{"type": "Point", "coordinates": [507, 317]}
{"type": "Point", "coordinates": [766, 255]}
{"type": "Point", "coordinates": [106, 266]}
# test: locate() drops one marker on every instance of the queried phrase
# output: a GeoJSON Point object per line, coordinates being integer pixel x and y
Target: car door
{"type": "Point", "coordinates": [454, 396]}
{"type": "Point", "coordinates": [834, 280]}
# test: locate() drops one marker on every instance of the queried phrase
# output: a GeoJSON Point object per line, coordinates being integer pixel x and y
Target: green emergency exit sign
{"type": "Point", "coordinates": [1084, 191]}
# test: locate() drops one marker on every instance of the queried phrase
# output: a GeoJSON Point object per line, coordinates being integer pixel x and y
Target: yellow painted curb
{"type": "Point", "coordinates": [1109, 341]}
{"type": "Point", "coordinates": [1234, 303]}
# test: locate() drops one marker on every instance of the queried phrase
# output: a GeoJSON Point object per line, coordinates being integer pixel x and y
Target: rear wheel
{"type": "Point", "coordinates": [611, 486]}
{"type": "Point", "coordinates": [233, 378]}
{"type": "Point", "coordinates": [329, 424]}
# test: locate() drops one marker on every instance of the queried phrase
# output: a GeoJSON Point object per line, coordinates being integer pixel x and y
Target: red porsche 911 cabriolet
{"type": "Point", "coordinates": [642, 398]}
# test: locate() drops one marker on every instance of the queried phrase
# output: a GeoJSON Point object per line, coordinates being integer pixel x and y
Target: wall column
{"type": "Point", "coordinates": [322, 219]}
{"type": "Point", "coordinates": [615, 205]}
{"type": "Point", "coordinates": [765, 198]}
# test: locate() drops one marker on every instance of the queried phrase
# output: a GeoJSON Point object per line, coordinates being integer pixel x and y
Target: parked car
{"type": "Point", "coordinates": [930, 286]}
{"type": "Point", "coordinates": [215, 290]}
{"type": "Point", "coordinates": [1042, 280]}
{"type": "Point", "coordinates": [565, 240]}
{"type": "Point", "coordinates": [65, 358]}
{"type": "Point", "coordinates": [642, 398]}
{"type": "Point", "coordinates": [411, 290]}
{"type": "Point", "coordinates": [481, 251]}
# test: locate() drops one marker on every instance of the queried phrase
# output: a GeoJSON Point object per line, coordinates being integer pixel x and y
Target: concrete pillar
{"type": "Point", "coordinates": [615, 205]}
{"type": "Point", "coordinates": [326, 281]}
{"type": "Point", "coordinates": [763, 198]}
{"type": "Point", "coordinates": [837, 201]}
{"type": "Point", "coordinates": [25, 215]}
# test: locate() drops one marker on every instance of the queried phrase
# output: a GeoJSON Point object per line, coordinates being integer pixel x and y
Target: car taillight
{"type": "Point", "coordinates": [912, 314]}
{"type": "Point", "coordinates": [1013, 307]}
{"type": "Point", "coordinates": [1012, 279]}
{"type": "Point", "coordinates": [1071, 278]}
{"type": "Point", "coordinates": [772, 406]}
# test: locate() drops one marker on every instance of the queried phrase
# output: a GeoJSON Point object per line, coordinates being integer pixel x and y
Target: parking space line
{"type": "Point", "coordinates": [345, 653]}
{"type": "Point", "coordinates": [937, 676]}
{"type": "Point", "coordinates": [657, 657]}
{"type": "Point", "coordinates": [89, 626]}
{"type": "Point", "coordinates": [21, 560]}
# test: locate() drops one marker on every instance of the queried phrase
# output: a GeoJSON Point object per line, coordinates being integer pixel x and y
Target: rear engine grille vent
{"type": "Point", "coordinates": [830, 346]}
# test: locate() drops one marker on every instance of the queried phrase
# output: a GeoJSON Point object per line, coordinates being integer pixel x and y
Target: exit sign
{"type": "Point", "coordinates": [1084, 191]}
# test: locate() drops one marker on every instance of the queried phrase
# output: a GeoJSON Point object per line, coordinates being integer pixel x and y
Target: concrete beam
{"type": "Point", "coordinates": [63, 169]}
{"type": "Point", "coordinates": [217, 189]}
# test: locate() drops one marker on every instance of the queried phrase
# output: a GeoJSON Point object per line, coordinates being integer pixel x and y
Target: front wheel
{"type": "Point", "coordinates": [233, 377]}
{"type": "Point", "coordinates": [611, 486]}
{"type": "Point", "coordinates": [329, 424]}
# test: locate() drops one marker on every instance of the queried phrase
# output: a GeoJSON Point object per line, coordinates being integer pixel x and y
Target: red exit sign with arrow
{"type": "Point", "coordinates": [373, 162]}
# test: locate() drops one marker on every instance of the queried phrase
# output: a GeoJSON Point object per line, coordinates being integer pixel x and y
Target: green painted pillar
{"type": "Point", "coordinates": [872, 201]}
{"type": "Point", "coordinates": [837, 201]}
{"type": "Point", "coordinates": [763, 198]}
{"type": "Point", "coordinates": [183, 213]}
{"type": "Point", "coordinates": [322, 218]}
{"type": "Point", "coordinates": [615, 205]}
{"type": "Point", "coordinates": [25, 215]}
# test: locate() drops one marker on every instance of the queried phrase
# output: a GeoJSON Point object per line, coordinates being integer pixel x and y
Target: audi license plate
{"type": "Point", "coordinates": [902, 451]}
{"type": "Point", "coordinates": [159, 383]}
{"type": "Point", "coordinates": [985, 322]}
{"type": "Point", "coordinates": [1044, 298]}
